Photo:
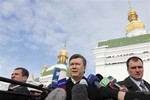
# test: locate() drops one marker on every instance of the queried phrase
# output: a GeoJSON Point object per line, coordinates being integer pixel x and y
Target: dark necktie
{"type": "Point", "coordinates": [143, 86]}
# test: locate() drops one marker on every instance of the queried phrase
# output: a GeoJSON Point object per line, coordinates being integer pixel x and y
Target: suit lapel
{"type": "Point", "coordinates": [147, 85]}
{"type": "Point", "coordinates": [131, 85]}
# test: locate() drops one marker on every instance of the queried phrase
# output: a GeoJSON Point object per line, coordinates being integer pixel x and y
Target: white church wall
{"type": "Point", "coordinates": [113, 60]}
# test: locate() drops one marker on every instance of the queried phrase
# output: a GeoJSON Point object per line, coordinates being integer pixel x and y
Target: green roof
{"type": "Point", "coordinates": [125, 41]}
{"type": "Point", "coordinates": [52, 71]}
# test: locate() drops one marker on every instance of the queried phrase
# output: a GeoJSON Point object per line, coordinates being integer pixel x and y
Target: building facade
{"type": "Point", "coordinates": [111, 55]}
{"type": "Point", "coordinates": [47, 73]}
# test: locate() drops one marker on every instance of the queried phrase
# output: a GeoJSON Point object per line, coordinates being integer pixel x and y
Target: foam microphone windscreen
{"type": "Point", "coordinates": [79, 92]}
{"type": "Point", "coordinates": [57, 94]}
{"type": "Point", "coordinates": [84, 82]}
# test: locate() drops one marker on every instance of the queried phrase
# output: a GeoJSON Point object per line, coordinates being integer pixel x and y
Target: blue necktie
{"type": "Point", "coordinates": [143, 86]}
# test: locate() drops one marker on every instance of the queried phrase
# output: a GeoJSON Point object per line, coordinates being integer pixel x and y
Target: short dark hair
{"type": "Point", "coordinates": [78, 56]}
{"type": "Point", "coordinates": [24, 71]}
{"type": "Point", "coordinates": [135, 59]}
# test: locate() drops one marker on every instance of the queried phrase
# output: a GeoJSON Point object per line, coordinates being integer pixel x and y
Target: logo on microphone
{"type": "Point", "coordinates": [59, 79]}
{"type": "Point", "coordinates": [55, 77]}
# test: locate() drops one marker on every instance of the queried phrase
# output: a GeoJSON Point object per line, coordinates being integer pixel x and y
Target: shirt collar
{"type": "Point", "coordinates": [136, 82]}
{"type": "Point", "coordinates": [74, 82]}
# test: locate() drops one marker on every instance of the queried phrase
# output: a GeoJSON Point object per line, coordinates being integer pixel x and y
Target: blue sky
{"type": "Point", "coordinates": [32, 32]}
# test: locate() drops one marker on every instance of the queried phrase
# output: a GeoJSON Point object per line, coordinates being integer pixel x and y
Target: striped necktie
{"type": "Point", "coordinates": [143, 86]}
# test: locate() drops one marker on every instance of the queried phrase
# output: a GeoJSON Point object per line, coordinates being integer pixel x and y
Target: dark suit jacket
{"type": "Point", "coordinates": [131, 86]}
{"type": "Point", "coordinates": [92, 91]}
{"type": "Point", "coordinates": [19, 89]}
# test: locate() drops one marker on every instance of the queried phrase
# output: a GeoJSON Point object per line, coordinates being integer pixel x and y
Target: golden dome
{"type": "Point", "coordinates": [132, 15]}
{"type": "Point", "coordinates": [63, 56]}
{"type": "Point", "coordinates": [63, 52]}
{"type": "Point", "coordinates": [134, 24]}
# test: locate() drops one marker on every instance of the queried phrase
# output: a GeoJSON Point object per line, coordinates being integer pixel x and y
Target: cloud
{"type": "Point", "coordinates": [35, 29]}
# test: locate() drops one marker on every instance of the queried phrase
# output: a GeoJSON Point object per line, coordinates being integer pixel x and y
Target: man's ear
{"type": "Point", "coordinates": [25, 78]}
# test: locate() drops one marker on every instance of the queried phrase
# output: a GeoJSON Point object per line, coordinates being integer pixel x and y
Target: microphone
{"type": "Point", "coordinates": [93, 80]}
{"type": "Point", "coordinates": [22, 83]}
{"type": "Point", "coordinates": [113, 83]}
{"type": "Point", "coordinates": [112, 79]}
{"type": "Point", "coordinates": [79, 92]}
{"type": "Point", "coordinates": [105, 81]}
{"type": "Point", "coordinates": [84, 82]}
{"type": "Point", "coordinates": [99, 76]}
{"type": "Point", "coordinates": [55, 77]}
{"type": "Point", "coordinates": [57, 94]}
{"type": "Point", "coordinates": [62, 80]}
{"type": "Point", "coordinates": [106, 93]}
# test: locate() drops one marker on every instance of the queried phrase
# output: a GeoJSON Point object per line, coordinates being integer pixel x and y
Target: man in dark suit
{"type": "Point", "coordinates": [77, 65]}
{"type": "Point", "coordinates": [134, 81]}
{"type": "Point", "coordinates": [19, 74]}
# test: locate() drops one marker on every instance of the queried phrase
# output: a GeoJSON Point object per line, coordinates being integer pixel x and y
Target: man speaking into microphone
{"type": "Point", "coordinates": [77, 67]}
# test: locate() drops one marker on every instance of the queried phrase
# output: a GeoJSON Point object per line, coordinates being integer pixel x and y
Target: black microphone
{"type": "Point", "coordinates": [44, 90]}
{"type": "Point", "coordinates": [79, 92]}
{"type": "Point", "coordinates": [21, 83]}
{"type": "Point", "coordinates": [93, 80]}
{"type": "Point", "coordinates": [57, 94]}
{"type": "Point", "coordinates": [99, 76]}
{"type": "Point", "coordinates": [106, 93]}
